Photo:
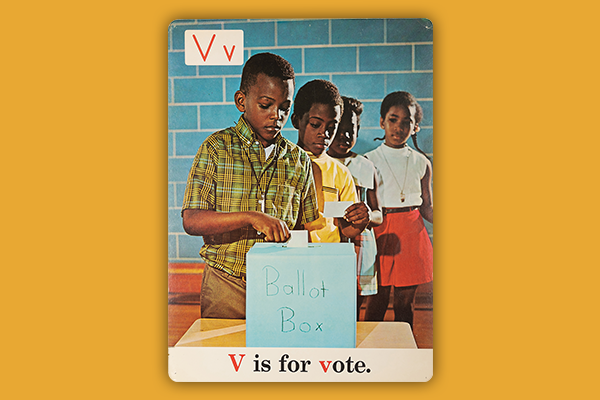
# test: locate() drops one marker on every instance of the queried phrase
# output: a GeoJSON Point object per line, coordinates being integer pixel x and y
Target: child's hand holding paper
{"type": "Point", "coordinates": [358, 214]}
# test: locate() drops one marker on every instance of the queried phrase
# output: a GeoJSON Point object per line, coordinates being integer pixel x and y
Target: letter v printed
{"type": "Point", "coordinates": [236, 365]}
{"type": "Point", "coordinates": [214, 47]}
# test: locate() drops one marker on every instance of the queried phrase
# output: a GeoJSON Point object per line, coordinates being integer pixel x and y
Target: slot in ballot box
{"type": "Point", "coordinates": [301, 296]}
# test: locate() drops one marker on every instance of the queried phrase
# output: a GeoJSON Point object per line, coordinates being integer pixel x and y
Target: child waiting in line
{"type": "Point", "coordinates": [365, 179]}
{"type": "Point", "coordinates": [405, 252]}
{"type": "Point", "coordinates": [318, 108]}
{"type": "Point", "coordinates": [247, 184]}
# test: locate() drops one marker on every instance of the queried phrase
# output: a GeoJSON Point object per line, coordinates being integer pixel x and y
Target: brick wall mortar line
{"type": "Point", "coordinates": [174, 143]}
{"type": "Point", "coordinates": [172, 89]}
{"type": "Point", "coordinates": [327, 45]}
{"type": "Point", "coordinates": [189, 77]}
{"type": "Point", "coordinates": [198, 115]}
{"type": "Point", "coordinates": [182, 157]}
{"type": "Point", "coordinates": [385, 84]}
{"type": "Point", "coordinates": [224, 89]}
{"type": "Point", "coordinates": [374, 72]}
{"type": "Point", "coordinates": [175, 195]}
{"type": "Point", "coordinates": [384, 30]}
{"type": "Point", "coordinates": [224, 103]}
{"type": "Point", "coordinates": [311, 73]}
{"type": "Point", "coordinates": [324, 46]}
{"type": "Point", "coordinates": [310, 46]}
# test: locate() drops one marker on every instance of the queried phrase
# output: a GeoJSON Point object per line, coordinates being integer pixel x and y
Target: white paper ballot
{"type": "Point", "coordinates": [335, 209]}
{"type": "Point", "coordinates": [298, 239]}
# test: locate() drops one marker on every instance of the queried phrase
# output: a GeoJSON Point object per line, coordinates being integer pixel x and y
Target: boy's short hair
{"type": "Point", "coordinates": [352, 105]}
{"type": "Point", "coordinates": [401, 99]}
{"type": "Point", "coordinates": [318, 91]}
{"type": "Point", "coordinates": [266, 63]}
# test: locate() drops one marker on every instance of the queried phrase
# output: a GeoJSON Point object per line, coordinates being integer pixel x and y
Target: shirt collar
{"type": "Point", "coordinates": [392, 150]}
{"type": "Point", "coordinates": [323, 156]}
{"type": "Point", "coordinates": [248, 136]}
{"type": "Point", "coordinates": [245, 132]}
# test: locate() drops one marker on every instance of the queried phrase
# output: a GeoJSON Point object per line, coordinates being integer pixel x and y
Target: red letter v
{"type": "Point", "coordinates": [209, 46]}
{"type": "Point", "coordinates": [325, 368]}
{"type": "Point", "coordinates": [229, 55]}
{"type": "Point", "coordinates": [236, 365]}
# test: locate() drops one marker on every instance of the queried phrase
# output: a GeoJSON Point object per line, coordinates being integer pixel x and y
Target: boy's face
{"type": "Point", "coordinates": [399, 124]}
{"type": "Point", "coordinates": [317, 127]}
{"type": "Point", "coordinates": [345, 137]}
{"type": "Point", "coordinates": [266, 106]}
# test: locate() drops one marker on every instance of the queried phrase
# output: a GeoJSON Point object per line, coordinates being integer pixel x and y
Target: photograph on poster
{"type": "Point", "coordinates": [300, 202]}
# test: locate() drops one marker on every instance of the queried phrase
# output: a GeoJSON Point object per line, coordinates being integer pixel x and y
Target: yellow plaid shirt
{"type": "Point", "coordinates": [230, 173]}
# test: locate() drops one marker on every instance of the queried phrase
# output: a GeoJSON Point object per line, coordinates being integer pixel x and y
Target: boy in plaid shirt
{"type": "Point", "coordinates": [247, 184]}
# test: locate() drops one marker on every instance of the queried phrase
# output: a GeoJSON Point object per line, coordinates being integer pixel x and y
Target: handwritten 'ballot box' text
{"type": "Point", "coordinates": [301, 296]}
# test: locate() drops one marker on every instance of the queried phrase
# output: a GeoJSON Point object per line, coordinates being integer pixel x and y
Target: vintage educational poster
{"type": "Point", "coordinates": [300, 200]}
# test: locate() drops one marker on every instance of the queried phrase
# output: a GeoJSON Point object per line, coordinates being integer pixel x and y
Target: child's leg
{"type": "Point", "coordinates": [403, 299]}
{"type": "Point", "coordinates": [377, 304]}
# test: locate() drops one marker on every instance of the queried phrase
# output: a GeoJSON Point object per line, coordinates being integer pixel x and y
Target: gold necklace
{"type": "Point", "coordinates": [402, 195]}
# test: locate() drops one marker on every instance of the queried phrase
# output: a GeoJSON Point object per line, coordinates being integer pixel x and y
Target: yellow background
{"type": "Point", "coordinates": [84, 164]}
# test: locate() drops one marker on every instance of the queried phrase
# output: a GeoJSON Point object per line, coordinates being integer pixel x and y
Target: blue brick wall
{"type": "Point", "coordinates": [365, 58]}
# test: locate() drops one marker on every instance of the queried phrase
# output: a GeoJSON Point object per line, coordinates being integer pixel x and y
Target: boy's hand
{"type": "Point", "coordinates": [357, 214]}
{"type": "Point", "coordinates": [274, 229]}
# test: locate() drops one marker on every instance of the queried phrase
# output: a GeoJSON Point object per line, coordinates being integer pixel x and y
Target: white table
{"type": "Point", "coordinates": [210, 332]}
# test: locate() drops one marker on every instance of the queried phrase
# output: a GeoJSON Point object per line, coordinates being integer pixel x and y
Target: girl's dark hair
{"type": "Point", "coordinates": [403, 99]}
{"type": "Point", "coordinates": [265, 63]}
{"type": "Point", "coordinates": [352, 105]}
{"type": "Point", "coordinates": [318, 91]}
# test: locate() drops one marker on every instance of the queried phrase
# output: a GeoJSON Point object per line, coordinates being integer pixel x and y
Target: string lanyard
{"type": "Point", "coordinates": [261, 200]}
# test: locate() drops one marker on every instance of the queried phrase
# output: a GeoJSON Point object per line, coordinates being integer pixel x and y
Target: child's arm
{"type": "Point", "coordinates": [427, 196]}
{"type": "Point", "coordinates": [376, 216]}
{"type": "Point", "coordinates": [207, 222]}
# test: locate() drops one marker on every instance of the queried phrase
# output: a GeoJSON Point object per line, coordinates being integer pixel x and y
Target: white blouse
{"type": "Point", "coordinates": [399, 172]}
{"type": "Point", "coordinates": [363, 170]}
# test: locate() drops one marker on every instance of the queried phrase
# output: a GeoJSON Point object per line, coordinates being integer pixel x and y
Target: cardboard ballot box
{"type": "Point", "coordinates": [301, 296]}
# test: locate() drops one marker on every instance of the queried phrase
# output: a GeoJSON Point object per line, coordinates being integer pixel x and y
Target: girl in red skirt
{"type": "Point", "coordinates": [404, 249]}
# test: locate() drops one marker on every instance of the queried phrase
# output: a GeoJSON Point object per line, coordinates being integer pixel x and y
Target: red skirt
{"type": "Point", "coordinates": [404, 250]}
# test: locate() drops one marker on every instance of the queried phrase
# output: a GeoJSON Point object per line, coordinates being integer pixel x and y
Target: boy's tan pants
{"type": "Point", "coordinates": [222, 295]}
